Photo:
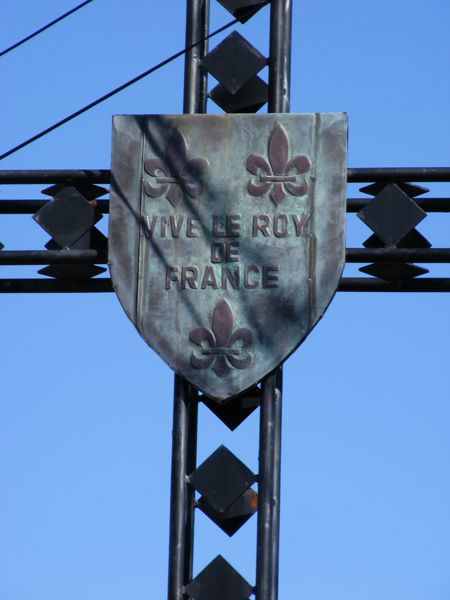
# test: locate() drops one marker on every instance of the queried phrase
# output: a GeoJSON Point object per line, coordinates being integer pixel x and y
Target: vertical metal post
{"type": "Point", "coordinates": [179, 500]}
{"type": "Point", "coordinates": [184, 434]}
{"type": "Point", "coordinates": [268, 528]}
{"type": "Point", "coordinates": [195, 81]}
{"type": "Point", "coordinates": [280, 56]}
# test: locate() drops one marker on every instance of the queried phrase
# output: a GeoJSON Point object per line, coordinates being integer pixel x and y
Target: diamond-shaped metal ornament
{"type": "Point", "coordinates": [77, 272]}
{"type": "Point", "coordinates": [219, 581]}
{"type": "Point", "coordinates": [411, 189]}
{"type": "Point", "coordinates": [91, 240]}
{"type": "Point", "coordinates": [221, 479]}
{"type": "Point", "coordinates": [236, 514]}
{"type": "Point", "coordinates": [234, 62]}
{"type": "Point", "coordinates": [391, 214]}
{"type": "Point", "coordinates": [67, 217]}
{"type": "Point", "coordinates": [243, 9]}
{"type": "Point", "coordinates": [394, 272]}
{"type": "Point", "coordinates": [234, 412]}
{"type": "Point", "coordinates": [412, 239]}
{"type": "Point", "coordinates": [248, 99]}
{"type": "Point", "coordinates": [88, 190]}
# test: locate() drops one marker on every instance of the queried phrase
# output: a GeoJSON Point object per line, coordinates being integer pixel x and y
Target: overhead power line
{"type": "Point", "coordinates": [115, 91]}
{"type": "Point", "coordinates": [35, 33]}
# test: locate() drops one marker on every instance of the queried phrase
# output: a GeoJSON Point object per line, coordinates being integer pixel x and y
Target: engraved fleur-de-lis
{"type": "Point", "coordinates": [221, 348]}
{"type": "Point", "coordinates": [279, 175]}
{"type": "Point", "coordinates": [176, 175]}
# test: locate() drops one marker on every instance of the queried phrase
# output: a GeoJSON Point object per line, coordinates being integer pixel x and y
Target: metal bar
{"type": "Point", "coordinates": [427, 204]}
{"type": "Point", "coordinates": [423, 255]}
{"type": "Point", "coordinates": [29, 207]}
{"type": "Point", "coordinates": [69, 176]}
{"type": "Point", "coordinates": [184, 441]}
{"type": "Point", "coordinates": [191, 464]}
{"type": "Point", "coordinates": [398, 174]}
{"type": "Point", "coordinates": [103, 284]}
{"type": "Point", "coordinates": [353, 255]}
{"type": "Point", "coordinates": [53, 257]}
{"type": "Point", "coordinates": [268, 526]}
{"type": "Point", "coordinates": [47, 286]}
{"type": "Point", "coordinates": [280, 56]}
{"type": "Point", "coordinates": [354, 175]}
{"type": "Point", "coordinates": [195, 80]}
{"type": "Point", "coordinates": [180, 493]}
{"type": "Point", "coordinates": [367, 284]}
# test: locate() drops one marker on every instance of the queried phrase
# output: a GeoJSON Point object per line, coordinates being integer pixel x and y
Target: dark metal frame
{"type": "Point", "coordinates": [186, 398]}
{"type": "Point", "coordinates": [185, 407]}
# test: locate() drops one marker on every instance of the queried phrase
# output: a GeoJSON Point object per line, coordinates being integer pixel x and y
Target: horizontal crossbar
{"type": "Point", "coordinates": [354, 175]}
{"type": "Point", "coordinates": [353, 255]}
{"type": "Point", "coordinates": [347, 284]}
{"type": "Point", "coordinates": [29, 207]}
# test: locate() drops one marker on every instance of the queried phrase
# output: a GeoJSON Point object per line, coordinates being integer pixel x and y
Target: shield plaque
{"type": "Point", "coordinates": [226, 239]}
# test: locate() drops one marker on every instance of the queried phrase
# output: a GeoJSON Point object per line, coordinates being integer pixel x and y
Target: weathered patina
{"type": "Point", "coordinates": [226, 239]}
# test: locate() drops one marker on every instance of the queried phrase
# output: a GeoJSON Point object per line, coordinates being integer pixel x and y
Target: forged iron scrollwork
{"type": "Point", "coordinates": [279, 174]}
{"type": "Point", "coordinates": [176, 175]}
{"type": "Point", "coordinates": [221, 348]}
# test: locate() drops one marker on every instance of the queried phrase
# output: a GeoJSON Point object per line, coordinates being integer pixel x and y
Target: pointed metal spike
{"type": "Point", "coordinates": [248, 99]}
{"type": "Point", "coordinates": [394, 272]}
{"type": "Point", "coordinates": [414, 239]}
{"type": "Point", "coordinates": [71, 271]}
{"type": "Point", "coordinates": [373, 242]}
{"type": "Point", "coordinates": [236, 410]}
{"type": "Point", "coordinates": [236, 515]}
{"type": "Point", "coordinates": [88, 190]}
{"type": "Point", "coordinates": [411, 189]}
{"type": "Point", "coordinates": [219, 581]}
{"type": "Point", "coordinates": [243, 9]}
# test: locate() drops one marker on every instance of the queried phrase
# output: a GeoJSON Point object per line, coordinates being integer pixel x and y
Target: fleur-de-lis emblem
{"type": "Point", "coordinates": [279, 175]}
{"type": "Point", "coordinates": [221, 348]}
{"type": "Point", "coordinates": [176, 175]}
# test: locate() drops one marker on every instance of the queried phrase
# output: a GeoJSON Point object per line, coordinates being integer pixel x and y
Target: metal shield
{"type": "Point", "coordinates": [226, 239]}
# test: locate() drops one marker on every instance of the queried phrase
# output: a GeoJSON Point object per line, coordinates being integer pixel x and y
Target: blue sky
{"type": "Point", "coordinates": [85, 427]}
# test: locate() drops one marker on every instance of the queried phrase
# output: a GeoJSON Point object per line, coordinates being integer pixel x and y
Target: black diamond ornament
{"type": "Point", "coordinates": [219, 581]}
{"type": "Point", "coordinates": [236, 515]}
{"type": "Point", "coordinates": [391, 214]}
{"type": "Point", "coordinates": [394, 272]}
{"type": "Point", "coordinates": [91, 240]}
{"type": "Point", "coordinates": [373, 242]}
{"type": "Point", "coordinates": [88, 190]}
{"type": "Point", "coordinates": [67, 217]}
{"type": "Point", "coordinates": [234, 62]}
{"type": "Point", "coordinates": [413, 239]}
{"type": "Point", "coordinates": [235, 411]}
{"type": "Point", "coordinates": [221, 479]}
{"type": "Point", "coordinates": [71, 272]}
{"type": "Point", "coordinates": [1, 246]}
{"type": "Point", "coordinates": [248, 99]}
{"type": "Point", "coordinates": [411, 189]}
{"type": "Point", "coordinates": [243, 9]}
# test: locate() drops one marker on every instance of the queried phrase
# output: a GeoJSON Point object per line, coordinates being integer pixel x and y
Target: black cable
{"type": "Point", "coordinates": [32, 35]}
{"type": "Point", "coordinates": [115, 91]}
